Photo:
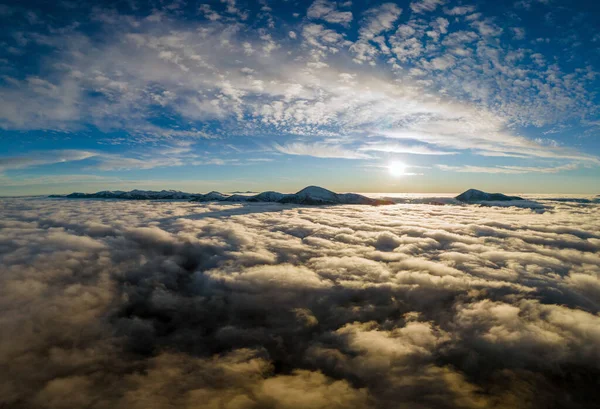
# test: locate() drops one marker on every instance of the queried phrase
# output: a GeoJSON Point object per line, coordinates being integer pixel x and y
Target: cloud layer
{"type": "Point", "coordinates": [161, 304]}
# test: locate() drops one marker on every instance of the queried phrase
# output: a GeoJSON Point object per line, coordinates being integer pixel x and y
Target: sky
{"type": "Point", "coordinates": [276, 95]}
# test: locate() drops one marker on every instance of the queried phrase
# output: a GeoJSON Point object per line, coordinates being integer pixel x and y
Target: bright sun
{"type": "Point", "coordinates": [397, 169]}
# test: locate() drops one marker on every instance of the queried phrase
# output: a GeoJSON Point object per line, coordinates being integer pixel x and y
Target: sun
{"type": "Point", "coordinates": [397, 169]}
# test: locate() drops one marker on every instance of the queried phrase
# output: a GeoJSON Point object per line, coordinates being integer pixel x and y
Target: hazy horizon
{"type": "Point", "coordinates": [367, 193]}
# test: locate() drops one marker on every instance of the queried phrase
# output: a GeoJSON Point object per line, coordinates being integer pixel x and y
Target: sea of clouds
{"type": "Point", "coordinates": [117, 304]}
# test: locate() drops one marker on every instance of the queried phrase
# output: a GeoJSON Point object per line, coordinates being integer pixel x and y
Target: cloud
{"type": "Point", "coordinates": [43, 158]}
{"type": "Point", "coordinates": [379, 19]}
{"type": "Point", "coordinates": [323, 39]}
{"type": "Point", "coordinates": [526, 4]}
{"type": "Point", "coordinates": [375, 21]}
{"type": "Point", "coordinates": [518, 32]}
{"type": "Point", "coordinates": [399, 148]}
{"type": "Point", "coordinates": [71, 179]}
{"type": "Point", "coordinates": [320, 150]}
{"type": "Point", "coordinates": [508, 169]}
{"type": "Point", "coordinates": [131, 304]}
{"type": "Point", "coordinates": [487, 28]}
{"type": "Point", "coordinates": [179, 153]}
{"type": "Point", "coordinates": [483, 134]}
{"type": "Point", "coordinates": [209, 13]}
{"type": "Point", "coordinates": [459, 10]}
{"type": "Point", "coordinates": [327, 10]}
{"type": "Point", "coordinates": [424, 6]}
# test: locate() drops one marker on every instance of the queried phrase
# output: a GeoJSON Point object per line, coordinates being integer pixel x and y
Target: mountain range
{"type": "Point", "coordinates": [311, 195]}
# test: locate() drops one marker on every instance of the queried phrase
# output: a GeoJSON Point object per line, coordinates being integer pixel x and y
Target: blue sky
{"type": "Point", "coordinates": [234, 95]}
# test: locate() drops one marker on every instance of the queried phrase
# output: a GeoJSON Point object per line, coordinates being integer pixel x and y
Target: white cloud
{"type": "Point", "coordinates": [232, 8]}
{"type": "Point", "coordinates": [508, 169]}
{"type": "Point", "coordinates": [399, 148]}
{"type": "Point", "coordinates": [443, 63]}
{"type": "Point", "coordinates": [327, 10]}
{"type": "Point", "coordinates": [375, 21]}
{"type": "Point", "coordinates": [180, 303]}
{"type": "Point", "coordinates": [43, 158]}
{"type": "Point", "coordinates": [379, 19]}
{"type": "Point", "coordinates": [487, 28]}
{"type": "Point", "coordinates": [423, 6]}
{"type": "Point", "coordinates": [484, 135]}
{"type": "Point", "coordinates": [70, 180]}
{"type": "Point", "coordinates": [209, 13]}
{"type": "Point", "coordinates": [518, 33]}
{"type": "Point", "coordinates": [320, 150]}
{"type": "Point", "coordinates": [459, 10]}
{"type": "Point", "coordinates": [178, 154]}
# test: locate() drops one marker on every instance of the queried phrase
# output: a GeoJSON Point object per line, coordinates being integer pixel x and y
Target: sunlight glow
{"type": "Point", "coordinates": [397, 169]}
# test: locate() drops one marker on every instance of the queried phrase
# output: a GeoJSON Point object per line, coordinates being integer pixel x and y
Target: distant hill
{"type": "Point", "coordinates": [131, 195]}
{"type": "Point", "coordinates": [246, 192]}
{"type": "Point", "coordinates": [474, 195]}
{"type": "Point", "coordinates": [311, 195]}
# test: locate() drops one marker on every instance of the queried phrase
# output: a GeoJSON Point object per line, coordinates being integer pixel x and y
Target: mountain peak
{"type": "Point", "coordinates": [474, 195]}
{"type": "Point", "coordinates": [317, 192]}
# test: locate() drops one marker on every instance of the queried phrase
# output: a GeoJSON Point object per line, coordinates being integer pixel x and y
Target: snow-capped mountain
{"type": "Point", "coordinates": [211, 197]}
{"type": "Point", "coordinates": [319, 195]}
{"type": "Point", "coordinates": [474, 196]}
{"type": "Point", "coordinates": [312, 195]}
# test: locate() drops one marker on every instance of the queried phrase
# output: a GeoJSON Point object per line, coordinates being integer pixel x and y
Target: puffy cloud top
{"type": "Point", "coordinates": [116, 304]}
